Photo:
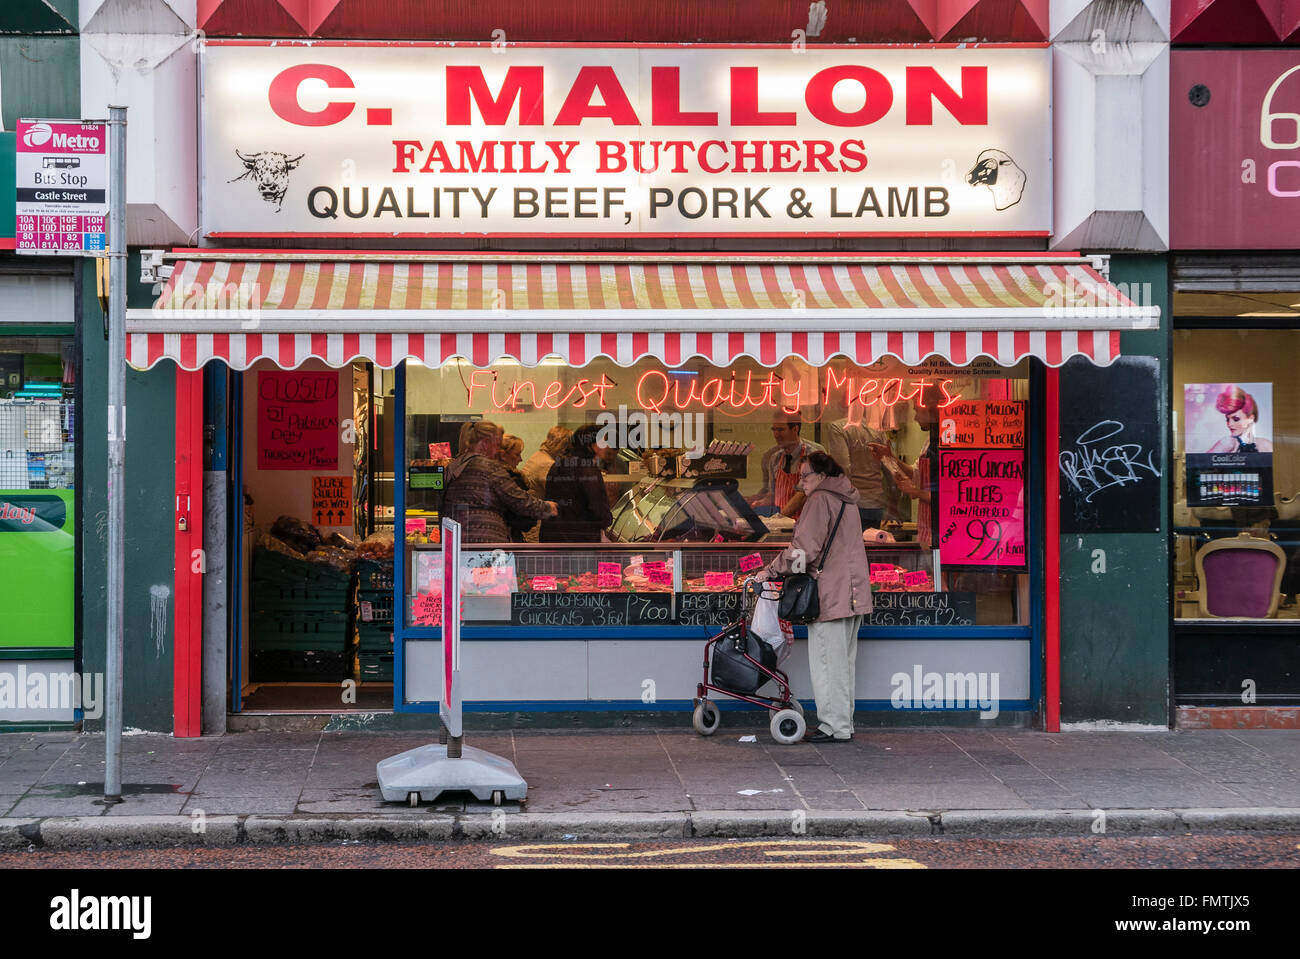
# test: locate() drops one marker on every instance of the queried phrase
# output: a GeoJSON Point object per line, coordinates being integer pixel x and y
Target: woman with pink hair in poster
{"type": "Point", "coordinates": [1240, 413]}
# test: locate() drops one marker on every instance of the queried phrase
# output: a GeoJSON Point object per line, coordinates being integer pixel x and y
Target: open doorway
{"type": "Point", "coordinates": [315, 592]}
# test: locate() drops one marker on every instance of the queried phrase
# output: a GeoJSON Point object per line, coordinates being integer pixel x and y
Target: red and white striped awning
{"type": "Point", "coordinates": [289, 308]}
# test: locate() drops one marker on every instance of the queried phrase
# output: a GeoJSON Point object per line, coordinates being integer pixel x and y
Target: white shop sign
{"type": "Point", "coordinates": [386, 139]}
{"type": "Point", "coordinates": [62, 187]}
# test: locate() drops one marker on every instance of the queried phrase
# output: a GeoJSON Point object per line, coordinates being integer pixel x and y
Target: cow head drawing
{"type": "Point", "coordinates": [997, 171]}
{"type": "Point", "coordinates": [270, 171]}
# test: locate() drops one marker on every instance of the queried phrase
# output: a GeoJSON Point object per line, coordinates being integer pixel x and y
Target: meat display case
{"type": "Point", "coordinates": [690, 584]}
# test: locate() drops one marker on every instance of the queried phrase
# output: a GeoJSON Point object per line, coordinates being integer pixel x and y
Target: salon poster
{"type": "Point", "coordinates": [297, 420]}
{"type": "Point", "coordinates": [1228, 442]}
{"type": "Point", "coordinates": [981, 512]}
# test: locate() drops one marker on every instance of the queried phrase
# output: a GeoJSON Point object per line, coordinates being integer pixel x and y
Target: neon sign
{"type": "Point", "coordinates": [549, 399]}
{"type": "Point", "coordinates": [657, 391]}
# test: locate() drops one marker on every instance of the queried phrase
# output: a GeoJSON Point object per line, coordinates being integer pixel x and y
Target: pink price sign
{"type": "Point", "coordinates": [981, 510]}
{"type": "Point", "coordinates": [919, 578]}
{"type": "Point", "coordinates": [750, 563]}
{"type": "Point", "coordinates": [298, 420]}
{"type": "Point", "coordinates": [609, 569]}
{"type": "Point", "coordinates": [609, 580]}
{"type": "Point", "coordinates": [719, 580]}
{"type": "Point", "coordinates": [890, 575]}
{"type": "Point", "coordinates": [660, 577]}
{"type": "Point", "coordinates": [426, 609]}
{"type": "Point", "coordinates": [544, 584]}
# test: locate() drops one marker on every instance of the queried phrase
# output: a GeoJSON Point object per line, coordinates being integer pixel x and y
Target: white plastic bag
{"type": "Point", "coordinates": [768, 626]}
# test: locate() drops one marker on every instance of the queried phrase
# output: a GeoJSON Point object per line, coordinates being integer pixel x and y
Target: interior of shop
{"type": "Point", "coordinates": [37, 393]}
{"type": "Point", "coordinates": [1236, 443]}
{"type": "Point", "coordinates": [317, 544]}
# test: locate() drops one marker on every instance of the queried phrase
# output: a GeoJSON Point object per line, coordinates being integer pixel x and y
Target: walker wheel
{"type": "Point", "coordinates": [707, 717]}
{"type": "Point", "coordinates": [497, 796]}
{"type": "Point", "coordinates": [797, 706]}
{"type": "Point", "coordinates": [413, 798]}
{"type": "Point", "coordinates": [787, 726]}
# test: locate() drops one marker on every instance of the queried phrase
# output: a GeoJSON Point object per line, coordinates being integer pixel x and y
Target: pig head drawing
{"type": "Point", "coordinates": [269, 171]}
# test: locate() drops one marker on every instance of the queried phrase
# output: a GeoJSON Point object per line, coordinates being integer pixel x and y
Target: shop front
{"type": "Point", "coordinates": [730, 335]}
{"type": "Point", "coordinates": [701, 429]}
{"type": "Point", "coordinates": [1236, 344]}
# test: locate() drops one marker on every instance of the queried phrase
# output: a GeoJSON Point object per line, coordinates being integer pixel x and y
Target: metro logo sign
{"type": "Point", "coordinates": [61, 188]}
{"type": "Point", "coordinates": [403, 139]}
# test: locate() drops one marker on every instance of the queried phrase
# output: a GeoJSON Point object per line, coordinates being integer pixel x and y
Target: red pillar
{"type": "Point", "coordinates": [1052, 556]}
{"type": "Point", "coordinates": [187, 697]}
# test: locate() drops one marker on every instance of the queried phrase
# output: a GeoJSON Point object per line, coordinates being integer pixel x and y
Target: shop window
{"type": "Point", "coordinates": [695, 467]}
{"type": "Point", "coordinates": [37, 480]}
{"type": "Point", "coordinates": [1236, 419]}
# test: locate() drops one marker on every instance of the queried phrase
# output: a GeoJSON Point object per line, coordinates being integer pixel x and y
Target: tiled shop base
{"type": "Point", "coordinates": [1238, 717]}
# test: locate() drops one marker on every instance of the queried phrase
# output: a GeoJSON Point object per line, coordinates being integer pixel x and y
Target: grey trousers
{"type": "Point", "coordinates": [832, 658]}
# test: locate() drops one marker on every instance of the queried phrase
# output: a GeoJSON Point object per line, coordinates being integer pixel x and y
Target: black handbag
{"type": "Point", "coordinates": [799, 603]}
{"type": "Point", "coordinates": [731, 670]}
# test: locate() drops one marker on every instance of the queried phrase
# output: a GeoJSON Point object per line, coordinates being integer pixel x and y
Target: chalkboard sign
{"type": "Point", "coordinates": [921, 609]}
{"type": "Point", "coordinates": [1110, 457]}
{"type": "Point", "coordinates": [591, 609]}
{"type": "Point", "coordinates": [708, 609]}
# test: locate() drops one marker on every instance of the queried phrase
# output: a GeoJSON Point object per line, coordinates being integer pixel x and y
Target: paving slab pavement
{"type": "Point", "coordinates": [593, 783]}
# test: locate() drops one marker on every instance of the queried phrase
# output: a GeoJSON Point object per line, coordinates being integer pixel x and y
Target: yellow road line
{"type": "Point", "coordinates": [773, 848]}
{"type": "Point", "coordinates": [874, 863]}
{"type": "Point", "coordinates": [543, 849]}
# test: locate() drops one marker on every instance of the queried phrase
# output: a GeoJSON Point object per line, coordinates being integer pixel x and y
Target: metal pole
{"type": "Point", "coordinates": [116, 451]}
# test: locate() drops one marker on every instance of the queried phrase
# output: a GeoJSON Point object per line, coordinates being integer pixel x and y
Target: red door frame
{"type": "Point", "coordinates": [187, 692]}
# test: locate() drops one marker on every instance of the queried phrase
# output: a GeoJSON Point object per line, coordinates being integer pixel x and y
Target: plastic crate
{"type": "Point", "coordinates": [302, 666]}
{"type": "Point", "coordinates": [381, 606]}
{"type": "Point", "coordinates": [372, 637]}
{"type": "Point", "coordinates": [272, 567]}
{"type": "Point", "coordinates": [376, 667]}
{"type": "Point", "coordinates": [375, 574]}
{"type": "Point", "coordinates": [273, 597]}
{"type": "Point", "coordinates": [299, 630]}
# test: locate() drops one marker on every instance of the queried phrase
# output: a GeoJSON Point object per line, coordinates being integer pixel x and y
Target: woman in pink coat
{"type": "Point", "coordinates": [843, 590]}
